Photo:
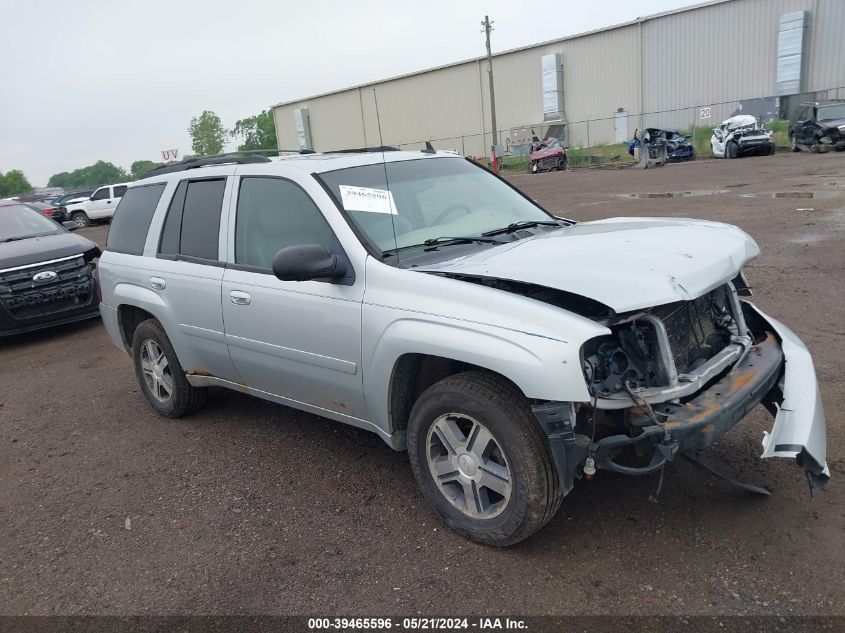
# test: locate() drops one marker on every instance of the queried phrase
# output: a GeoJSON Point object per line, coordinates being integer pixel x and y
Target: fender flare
{"type": "Point", "coordinates": [138, 297]}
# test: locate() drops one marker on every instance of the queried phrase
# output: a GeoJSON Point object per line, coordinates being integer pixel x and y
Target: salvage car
{"type": "Point", "coordinates": [818, 125]}
{"type": "Point", "coordinates": [679, 148]}
{"type": "Point", "coordinates": [419, 296]}
{"type": "Point", "coordinates": [739, 136]}
{"type": "Point", "coordinates": [546, 155]}
{"type": "Point", "coordinates": [46, 272]}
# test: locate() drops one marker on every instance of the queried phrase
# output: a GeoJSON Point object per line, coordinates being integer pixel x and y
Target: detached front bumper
{"type": "Point", "coordinates": [777, 372]}
{"type": "Point", "coordinates": [799, 431]}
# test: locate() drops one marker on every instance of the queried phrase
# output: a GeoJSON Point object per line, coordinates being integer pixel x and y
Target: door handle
{"type": "Point", "coordinates": [158, 283]}
{"type": "Point", "coordinates": [239, 298]}
{"type": "Point", "coordinates": [108, 201]}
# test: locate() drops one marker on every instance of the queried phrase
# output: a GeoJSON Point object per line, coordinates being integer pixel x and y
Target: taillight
{"type": "Point", "coordinates": [49, 212]}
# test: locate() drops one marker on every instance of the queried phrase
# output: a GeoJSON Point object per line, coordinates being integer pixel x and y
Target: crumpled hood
{"type": "Point", "coordinates": [546, 153]}
{"type": "Point", "coordinates": [833, 124]}
{"type": "Point", "coordinates": [625, 263]}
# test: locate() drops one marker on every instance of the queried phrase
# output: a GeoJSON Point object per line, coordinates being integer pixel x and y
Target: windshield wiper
{"type": "Point", "coordinates": [440, 241]}
{"type": "Point", "coordinates": [13, 239]}
{"type": "Point", "coordinates": [523, 224]}
{"type": "Point", "coordinates": [462, 238]}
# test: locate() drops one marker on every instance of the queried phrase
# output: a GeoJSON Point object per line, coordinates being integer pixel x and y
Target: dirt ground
{"type": "Point", "coordinates": [252, 508]}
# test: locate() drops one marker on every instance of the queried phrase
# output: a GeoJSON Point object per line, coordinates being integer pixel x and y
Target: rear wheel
{"type": "Point", "coordinates": [159, 373]}
{"type": "Point", "coordinates": [481, 459]}
{"type": "Point", "coordinates": [80, 219]}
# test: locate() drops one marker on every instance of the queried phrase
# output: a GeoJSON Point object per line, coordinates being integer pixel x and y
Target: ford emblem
{"type": "Point", "coordinates": [44, 276]}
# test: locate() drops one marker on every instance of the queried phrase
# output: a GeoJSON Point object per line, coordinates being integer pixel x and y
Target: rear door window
{"type": "Point", "coordinates": [119, 191]}
{"type": "Point", "coordinates": [128, 231]}
{"type": "Point", "coordinates": [192, 226]}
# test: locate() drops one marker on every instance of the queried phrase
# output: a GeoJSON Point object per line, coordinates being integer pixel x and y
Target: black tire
{"type": "Point", "coordinates": [535, 494]}
{"type": "Point", "coordinates": [561, 165]}
{"type": "Point", "coordinates": [731, 150]}
{"type": "Point", "coordinates": [80, 218]}
{"type": "Point", "coordinates": [794, 144]}
{"type": "Point", "coordinates": [185, 398]}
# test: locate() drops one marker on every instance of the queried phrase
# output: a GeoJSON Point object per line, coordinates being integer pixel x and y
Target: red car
{"type": "Point", "coordinates": [546, 155]}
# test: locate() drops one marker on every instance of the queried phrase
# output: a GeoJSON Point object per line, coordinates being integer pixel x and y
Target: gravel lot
{"type": "Point", "coordinates": [250, 507]}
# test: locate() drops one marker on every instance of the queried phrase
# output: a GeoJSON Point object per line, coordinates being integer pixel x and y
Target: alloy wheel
{"type": "Point", "coordinates": [156, 371]}
{"type": "Point", "coordinates": [468, 465]}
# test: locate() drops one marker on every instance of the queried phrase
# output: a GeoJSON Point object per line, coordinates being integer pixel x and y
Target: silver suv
{"type": "Point", "coordinates": [420, 297]}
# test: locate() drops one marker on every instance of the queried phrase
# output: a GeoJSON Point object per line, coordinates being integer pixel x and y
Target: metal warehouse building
{"type": "Point", "coordinates": [673, 69]}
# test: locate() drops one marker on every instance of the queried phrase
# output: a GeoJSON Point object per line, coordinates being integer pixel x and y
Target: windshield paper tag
{"type": "Point", "coordinates": [367, 199]}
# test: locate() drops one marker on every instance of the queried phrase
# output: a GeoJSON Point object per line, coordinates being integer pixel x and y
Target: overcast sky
{"type": "Point", "coordinates": [119, 81]}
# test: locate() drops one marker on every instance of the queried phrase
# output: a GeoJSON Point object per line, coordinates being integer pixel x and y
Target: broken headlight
{"type": "Point", "coordinates": [628, 358]}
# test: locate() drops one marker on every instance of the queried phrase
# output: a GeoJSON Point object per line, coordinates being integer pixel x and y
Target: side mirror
{"type": "Point", "coordinates": [70, 226]}
{"type": "Point", "coordinates": [307, 261]}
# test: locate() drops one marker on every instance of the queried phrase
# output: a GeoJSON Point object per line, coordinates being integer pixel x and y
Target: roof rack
{"type": "Point", "coordinates": [241, 157]}
{"type": "Point", "coordinates": [364, 150]}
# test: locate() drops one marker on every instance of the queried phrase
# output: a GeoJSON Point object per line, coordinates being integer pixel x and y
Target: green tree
{"type": "Point", "coordinates": [14, 183]}
{"type": "Point", "coordinates": [58, 180]}
{"type": "Point", "coordinates": [140, 166]}
{"type": "Point", "coordinates": [257, 132]}
{"type": "Point", "coordinates": [207, 134]}
{"type": "Point", "coordinates": [100, 173]}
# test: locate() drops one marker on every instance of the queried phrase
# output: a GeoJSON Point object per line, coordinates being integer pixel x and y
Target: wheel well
{"type": "Point", "coordinates": [413, 374]}
{"type": "Point", "coordinates": [130, 317]}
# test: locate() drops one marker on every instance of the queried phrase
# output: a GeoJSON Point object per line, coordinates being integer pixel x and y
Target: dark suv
{"type": "Point", "coordinates": [818, 125]}
{"type": "Point", "coordinates": [46, 273]}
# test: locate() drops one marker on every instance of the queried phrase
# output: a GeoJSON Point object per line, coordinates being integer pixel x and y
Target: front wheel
{"type": "Point", "coordinates": [730, 150]}
{"type": "Point", "coordinates": [482, 460]}
{"type": "Point", "coordinates": [159, 373]}
{"type": "Point", "coordinates": [80, 219]}
{"type": "Point", "coordinates": [794, 144]}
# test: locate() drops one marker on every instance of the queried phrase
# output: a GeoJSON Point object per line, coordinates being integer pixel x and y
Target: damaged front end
{"type": "Point", "coordinates": [675, 378]}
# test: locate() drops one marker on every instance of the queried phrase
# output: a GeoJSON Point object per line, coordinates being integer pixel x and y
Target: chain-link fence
{"type": "Point", "coordinates": [602, 138]}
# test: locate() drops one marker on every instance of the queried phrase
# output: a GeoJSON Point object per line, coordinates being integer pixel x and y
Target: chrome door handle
{"type": "Point", "coordinates": [158, 283]}
{"type": "Point", "coordinates": [239, 298]}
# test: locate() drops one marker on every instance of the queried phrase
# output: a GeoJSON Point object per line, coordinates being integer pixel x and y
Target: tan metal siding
{"type": "Point", "coordinates": [827, 47]}
{"type": "Point", "coordinates": [706, 56]}
{"type": "Point", "coordinates": [442, 104]}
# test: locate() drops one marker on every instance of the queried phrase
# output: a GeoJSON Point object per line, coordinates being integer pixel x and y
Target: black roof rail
{"type": "Point", "coordinates": [364, 150]}
{"type": "Point", "coordinates": [244, 157]}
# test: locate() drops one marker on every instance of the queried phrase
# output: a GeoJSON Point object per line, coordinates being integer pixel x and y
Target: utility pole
{"type": "Point", "coordinates": [487, 26]}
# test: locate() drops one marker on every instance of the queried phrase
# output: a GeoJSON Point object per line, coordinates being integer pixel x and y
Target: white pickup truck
{"type": "Point", "coordinates": [100, 206]}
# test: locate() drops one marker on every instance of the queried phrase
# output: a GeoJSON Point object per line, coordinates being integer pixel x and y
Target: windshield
{"type": "Point", "coordinates": [432, 198]}
{"type": "Point", "coordinates": [19, 222]}
{"type": "Point", "coordinates": [832, 112]}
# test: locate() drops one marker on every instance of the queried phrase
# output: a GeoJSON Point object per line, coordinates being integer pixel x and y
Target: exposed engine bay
{"type": "Point", "coordinates": [648, 349]}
